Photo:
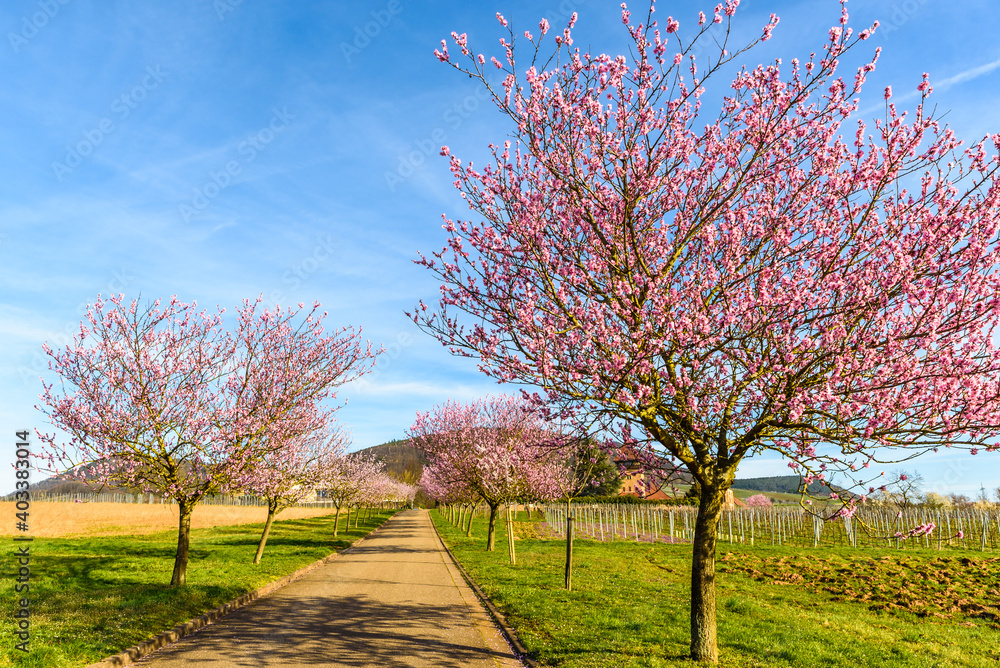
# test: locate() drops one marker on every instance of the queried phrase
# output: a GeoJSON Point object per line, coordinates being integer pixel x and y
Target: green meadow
{"type": "Point", "coordinates": [777, 606]}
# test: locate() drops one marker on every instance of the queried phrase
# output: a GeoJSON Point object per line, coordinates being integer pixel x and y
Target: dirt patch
{"type": "Point", "coordinates": [953, 588]}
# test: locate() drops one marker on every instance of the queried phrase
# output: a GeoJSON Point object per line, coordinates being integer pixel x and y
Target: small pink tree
{"type": "Point", "coordinates": [346, 481]}
{"type": "Point", "coordinates": [776, 278]}
{"type": "Point", "coordinates": [165, 399]}
{"type": "Point", "coordinates": [494, 448]}
{"type": "Point", "coordinates": [758, 501]}
{"type": "Point", "coordinates": [291, 471]}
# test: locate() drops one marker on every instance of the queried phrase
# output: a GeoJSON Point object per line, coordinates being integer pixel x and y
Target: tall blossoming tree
{"type": "Point", "coordinates": [497, 449]}
{"type": "Point", "coordinates": [166, 399]}
{"type": "Point", "coordinates": [775, 278]}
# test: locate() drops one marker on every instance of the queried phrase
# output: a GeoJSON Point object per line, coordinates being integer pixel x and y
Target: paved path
{"type": "Point", "coordinates": [395, 600]}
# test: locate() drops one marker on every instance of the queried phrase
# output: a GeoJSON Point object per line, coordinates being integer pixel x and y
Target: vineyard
{"type": "Point", "coordinates": [969, 529]}
{"type": "Point", "coordinates": [966, 529]}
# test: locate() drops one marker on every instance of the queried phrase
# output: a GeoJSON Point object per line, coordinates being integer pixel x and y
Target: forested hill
{"type": "Point", "coordinates": [787, 484]}
{"type": "Point", "coordinates": [402, 461]}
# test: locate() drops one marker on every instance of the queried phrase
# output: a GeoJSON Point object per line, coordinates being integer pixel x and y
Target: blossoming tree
{"type": "Point", "coordinates": [758, 501]}
{"type": "Point", "coordinates": [165, 399]}
{"type": "Point", "coordinates": [773, 279]}
{"type": "Point", "coordinates": [495, 448]}
{"type": "Point", "coordinates": [346, 482]}
{"type": "Point", "coordinates": [289, 472]}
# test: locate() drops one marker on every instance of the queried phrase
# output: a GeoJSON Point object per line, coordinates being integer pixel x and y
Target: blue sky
{"type": "Point", "coordinates": [218, 150]}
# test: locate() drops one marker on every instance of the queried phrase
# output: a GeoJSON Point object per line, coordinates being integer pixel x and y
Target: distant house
{"type": "Point", "coordinates": [638, 483]}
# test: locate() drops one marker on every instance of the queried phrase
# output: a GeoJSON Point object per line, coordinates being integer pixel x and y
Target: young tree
{"type": "Point", "coordinates": [903, 490]}
{"type": "Point", "coordinates": [167, 400]}
{"type": "Point", "coordinates": [345, 482]}
{"type": "Point", "coordinates": [723, 287]}
{"type": "Point", "coordinates": [291, 470]}
{"type": "Point", "coordinates": [759, 501]}
{"type": "Point", "coordinates": [594, 473]}
{"type": "Point", "coordinates": [496, 448]}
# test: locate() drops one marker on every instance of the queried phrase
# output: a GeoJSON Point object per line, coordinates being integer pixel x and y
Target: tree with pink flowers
{"type": "Point", "coordinates": [758, 501]}
{"type": "Point", "coordinates": [346, 482]}
{"type": "Point", "coordinates": [497, 449]}
{"type": "Point", "coordinates": [164, 398]}
{"type": "Point", "coordinates": [778, 277]}
{"type": "Point", "coordinates": [290, 471]}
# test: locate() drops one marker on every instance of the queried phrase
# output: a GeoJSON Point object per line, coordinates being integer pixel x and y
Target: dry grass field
{"type": "Point", "coordinates": [65, 520]}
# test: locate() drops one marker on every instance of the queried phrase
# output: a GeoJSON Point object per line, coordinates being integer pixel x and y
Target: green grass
{"type": "Point", "coordinates": [94, 597]}
{"type": "Point", "coordinates": [777, 606]}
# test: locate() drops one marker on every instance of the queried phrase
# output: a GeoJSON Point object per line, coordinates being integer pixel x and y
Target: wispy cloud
{"type": "Point", "coordinates": [940, 86]}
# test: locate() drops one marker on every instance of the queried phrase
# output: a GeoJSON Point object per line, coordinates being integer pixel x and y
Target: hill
{"type": "Point", "coordinates": [402, 461]}
{"type": "Point", "coordinates": [785, 484]}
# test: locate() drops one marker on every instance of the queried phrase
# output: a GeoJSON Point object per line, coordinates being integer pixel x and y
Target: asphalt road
{"type": "Point", "coordinates": [395, 600]}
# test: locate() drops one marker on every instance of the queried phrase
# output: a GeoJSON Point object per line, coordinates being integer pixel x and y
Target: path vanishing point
{"type": "Point", "coordinates": [395, 600]}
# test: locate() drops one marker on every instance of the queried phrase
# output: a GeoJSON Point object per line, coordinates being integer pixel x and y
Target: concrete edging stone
{"type": "Point", "coordinates": [133, 654]}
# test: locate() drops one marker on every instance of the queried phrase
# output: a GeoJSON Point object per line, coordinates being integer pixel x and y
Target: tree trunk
{"type": "Point", "coordinates": [704, 646]}
{"type": "Point", "coordinates": [491, 534]}
{"type": "Point", "coordinates": [468, 530]}
{"type": "Point", "coordinates": [272, 510]}
{"type": "Point", "coordinates": [179, 577]}
{"type": "Point", "coordinates": [347, 525]}
{"type": "Point", "coordinates": [336, 521]}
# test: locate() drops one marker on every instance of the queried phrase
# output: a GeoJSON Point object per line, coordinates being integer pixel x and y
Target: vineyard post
{"type": "Point", "coordinates": [569, 549]}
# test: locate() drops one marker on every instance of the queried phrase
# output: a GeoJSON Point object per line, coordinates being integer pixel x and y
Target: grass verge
{"type": "Point", "coordinates": [629, 605]}
{"type": "Point", "coordinates": [94, 597]}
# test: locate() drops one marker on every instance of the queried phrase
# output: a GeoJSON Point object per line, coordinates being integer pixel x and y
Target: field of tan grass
{"type": "Point", "coordinates": [51, 520]}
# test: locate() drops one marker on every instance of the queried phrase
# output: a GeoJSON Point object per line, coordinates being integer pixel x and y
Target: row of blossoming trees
{"type": "Point", "coordinates": [164, 398]}
{"type": "Point", "coordinates": [495, 450]}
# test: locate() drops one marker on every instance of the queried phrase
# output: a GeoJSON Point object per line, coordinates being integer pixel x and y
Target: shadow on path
{"type": "Point", "coordinates": [393, 601]}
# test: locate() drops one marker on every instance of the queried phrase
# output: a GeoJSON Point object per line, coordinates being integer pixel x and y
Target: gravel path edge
{"type": "Point", "coordinates": [498, 617]}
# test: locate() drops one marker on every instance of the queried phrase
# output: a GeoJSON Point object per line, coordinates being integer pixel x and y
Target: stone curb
{"type": "Point", "coordinates": [497, 616]}
{"type": "Point", "coordinates": [133, 654]}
